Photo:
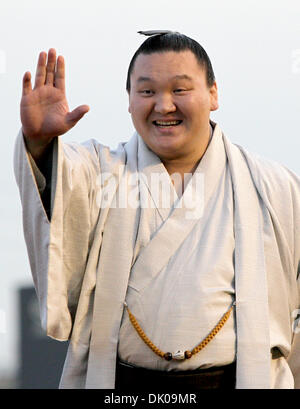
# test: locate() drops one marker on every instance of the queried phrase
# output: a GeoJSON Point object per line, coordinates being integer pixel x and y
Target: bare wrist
{"type": "Point", "coordinates": [37, 149]}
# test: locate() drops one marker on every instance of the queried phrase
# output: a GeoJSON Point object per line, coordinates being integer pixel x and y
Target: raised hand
{"type": "Point", "coordinates": [44, 109]}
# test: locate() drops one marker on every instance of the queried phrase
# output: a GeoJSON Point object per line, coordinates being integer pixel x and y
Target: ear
{"type": "Point", "coordinates": [214, 103]}
{"type": "Point", "coordinates": [129, 104]}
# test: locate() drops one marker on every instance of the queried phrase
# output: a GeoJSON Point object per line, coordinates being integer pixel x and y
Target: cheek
{"type": "Point", "coordinates": [139, 112]}
{"type": "Point", "coordinates": [189, 105]}
{"type": "Point", "coordinates": [196, 108]}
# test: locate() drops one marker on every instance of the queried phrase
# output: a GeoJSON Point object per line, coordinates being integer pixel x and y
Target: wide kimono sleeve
{"type": "Point", "coordinates": [294, 357]}
{"type": "Point", "coordinates": [58, 250]}
{"type": "Point", "coordinates": [284, 185]}
{"type": "Point", "coordinates": [280, 189]}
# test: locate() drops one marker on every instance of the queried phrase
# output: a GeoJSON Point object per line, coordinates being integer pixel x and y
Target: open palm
{"type": "Point", "coordinates": [44, 109]}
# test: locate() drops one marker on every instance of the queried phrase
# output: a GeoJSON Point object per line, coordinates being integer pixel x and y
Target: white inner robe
{"type": "Point", "coordinates": [196, 287]}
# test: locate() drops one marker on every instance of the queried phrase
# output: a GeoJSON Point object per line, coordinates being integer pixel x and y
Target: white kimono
{"type": "Point", "coordinates": [82, 261]}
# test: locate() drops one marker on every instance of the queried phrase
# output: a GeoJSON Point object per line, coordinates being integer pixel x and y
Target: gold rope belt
{"type": "Point", "coordinates": [178, 355]}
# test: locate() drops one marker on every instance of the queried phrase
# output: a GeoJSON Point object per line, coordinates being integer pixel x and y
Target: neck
{"type": "Point", "coordinates": [188, 163]}
{"type": "Point", "coordinates": [182, 167]}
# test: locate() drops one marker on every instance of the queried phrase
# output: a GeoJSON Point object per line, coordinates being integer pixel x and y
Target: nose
{"type": "Point", "coordinates": [164, 104]}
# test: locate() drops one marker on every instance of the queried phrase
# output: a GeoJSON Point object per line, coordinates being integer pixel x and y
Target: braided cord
{"type": "Point", "coordinates": [188, 354]}
{"type": "Point", "coordinates": [212, 333]}
{"type": "Point", "coordinates": [144, 337]}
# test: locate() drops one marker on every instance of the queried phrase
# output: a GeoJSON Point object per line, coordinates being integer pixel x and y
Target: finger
{"type": "Point", "coordinates": [74, 116]}
{"type": "Point", "coordinates": [50, 68]}
{"type": "Point", "coordinates": [27, 88]}
{"type": "Point", "coordinates": [40, 75]}
{"type": "Point", "coordinates": [59, 80]}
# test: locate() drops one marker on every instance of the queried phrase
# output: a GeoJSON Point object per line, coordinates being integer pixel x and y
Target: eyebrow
{"type": "Point", "coordinates": [176, 77]}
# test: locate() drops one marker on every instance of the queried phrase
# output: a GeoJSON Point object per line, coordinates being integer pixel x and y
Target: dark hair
{"type": "Point", "coordinates": [173, 41]}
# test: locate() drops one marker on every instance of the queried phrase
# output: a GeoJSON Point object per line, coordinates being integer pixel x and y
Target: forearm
{"type": "Point", "coordinates": [37, 149]}
{"type": "Point", "coordinates": [44, 164]}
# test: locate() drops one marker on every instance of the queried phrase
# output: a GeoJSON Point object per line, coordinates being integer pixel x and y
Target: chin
{"type": "Point", "coordinates": [166, 151]}
{"type": "Point", "coordinates": [165, 145]}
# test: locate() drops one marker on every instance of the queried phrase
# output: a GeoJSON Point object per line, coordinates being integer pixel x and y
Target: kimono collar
{"type": "Point", "coordinates": [201, 185]}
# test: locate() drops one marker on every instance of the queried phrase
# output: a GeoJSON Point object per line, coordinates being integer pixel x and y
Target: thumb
{"type": "Point", "coordinates": [74, 116]}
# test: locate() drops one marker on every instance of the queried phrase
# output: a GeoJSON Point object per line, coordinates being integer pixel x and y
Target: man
{"type": "Point", "coordinates": [199, 293]}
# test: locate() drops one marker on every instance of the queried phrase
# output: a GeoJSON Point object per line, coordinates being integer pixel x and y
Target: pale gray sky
{"type": "Point", "coordinates": [254, 46]}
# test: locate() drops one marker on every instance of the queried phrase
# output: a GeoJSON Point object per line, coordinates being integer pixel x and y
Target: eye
{"type": "Point", "coordinates": [146, 92]}
{"type": "Point", "coordinates": [179, 90]}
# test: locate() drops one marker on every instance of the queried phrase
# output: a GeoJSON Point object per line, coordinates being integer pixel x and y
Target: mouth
{"type": "Point", "coordinates": [167, 124]}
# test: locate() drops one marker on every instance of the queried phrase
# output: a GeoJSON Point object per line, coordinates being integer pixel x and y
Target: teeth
{"type": "Point", "coordinates": [167, 123]}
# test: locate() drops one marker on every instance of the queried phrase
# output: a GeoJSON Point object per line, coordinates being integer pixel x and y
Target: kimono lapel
{"type": "Point", "coordinates": [112, 279]}
{"type": "Point", "coordinates": [156, 189]}
{"type": "Point", "coordinates": [253, 338]}
{"type": "Point", "coordinates": [186, 213]}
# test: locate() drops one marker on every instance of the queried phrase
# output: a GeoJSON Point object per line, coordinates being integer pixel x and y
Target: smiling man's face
{"type": "Point", "coordinates": [170, 104]}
